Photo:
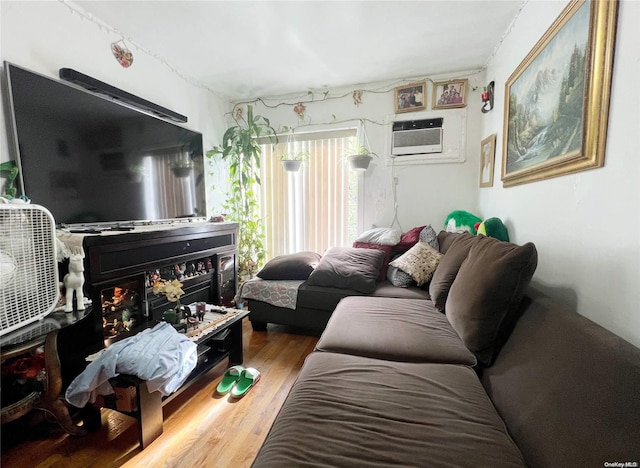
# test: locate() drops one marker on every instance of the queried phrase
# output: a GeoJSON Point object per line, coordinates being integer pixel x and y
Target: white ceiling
{"type": "Point", "coordinates": [248, 49]}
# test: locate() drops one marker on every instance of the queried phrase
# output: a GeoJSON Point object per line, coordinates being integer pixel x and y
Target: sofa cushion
{"type": "Point", "coordinates": [359, 412]}
{"type": "Point", "coordinates": [420, 261]}
{"type": "Point", "coordinates": [380, 236]}
{"type": "Point", "coordinates": [567, 389]}
{"type": "Point", "coordinates": [428, 236]}
{"type": "Point", "coordinates": [408, 240]}
{"type": "Point", "coordinates": [386, 289]}
{"type": "Point", "coordinates": [348, 268]}
{"type": "Point", "coordinates": [456, 247]}
{"type": "Point", "coordinates": [386, 249]}
{"type": "Point", "coordinates": [408, 330]}
{"type": "Point", "coordinates": [399, 278]}
{"type": "Point", "coordinates": [488, 287]}
{"type": "Point", "coordinates": [297, 266]}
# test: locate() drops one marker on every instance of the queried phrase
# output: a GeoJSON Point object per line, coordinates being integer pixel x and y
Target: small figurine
{"type": "Point", "coordinates": [73, 281]}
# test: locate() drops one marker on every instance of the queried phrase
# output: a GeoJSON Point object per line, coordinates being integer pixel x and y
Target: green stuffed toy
{"type": "Point", "coordinates": [461, 221]}
{"type": "Point", "coordinates": [493, 227]}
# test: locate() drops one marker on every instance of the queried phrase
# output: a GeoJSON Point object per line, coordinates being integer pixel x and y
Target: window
{"type": "Point", "coordinates": [312, 209]}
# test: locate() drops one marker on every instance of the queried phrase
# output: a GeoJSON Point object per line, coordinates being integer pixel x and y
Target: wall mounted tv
{"type": "Point", "coordinates": [90, 159]}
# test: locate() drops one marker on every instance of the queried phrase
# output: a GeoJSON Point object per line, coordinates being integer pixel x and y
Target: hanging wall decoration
{"type": "Point", "coordinates": [357, 97]}
{"type": "Point", "coordinates": [299, 110]}
{"type": "Point", "coordinates": [122, 54]}
{"type": "Point", "coordinates": [410, 97]}
{"type": "Point", "coordinates": [557, 100]}
{"type": "Point", "coordinates": [450, 94]}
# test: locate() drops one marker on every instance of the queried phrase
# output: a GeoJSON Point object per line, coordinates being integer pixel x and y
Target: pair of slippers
{"type": "Point", "coordinates": [237, 381]}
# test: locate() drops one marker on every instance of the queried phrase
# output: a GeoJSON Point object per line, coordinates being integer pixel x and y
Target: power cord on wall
{"type": "Point", "coordinates": [394, 190]}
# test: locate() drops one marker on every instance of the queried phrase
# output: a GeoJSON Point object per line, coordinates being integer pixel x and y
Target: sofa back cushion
{"type": "Point", "coordinates": [488, 287]}
{"type": "Point", "coordinates": [567, 389]}
{"type": "Point", "coordinates": [348, 268]}
{"type": "Point", "coordinates": [386, 249]}
{"type": "Point", "coordinates": [296, 266]}
{"type": "Point", "coordinates": [455, 248]}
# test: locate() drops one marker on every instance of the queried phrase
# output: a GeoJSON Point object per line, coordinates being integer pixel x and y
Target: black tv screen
{"type": "Point", "coordinates": [90, 159]}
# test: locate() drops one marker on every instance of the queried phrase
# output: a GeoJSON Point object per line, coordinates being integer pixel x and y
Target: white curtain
{"type": "Point", "coordinates": [312, 209]}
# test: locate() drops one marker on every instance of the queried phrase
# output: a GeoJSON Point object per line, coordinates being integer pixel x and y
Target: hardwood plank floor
{"type": "Point", "coordinates": [201, 428]}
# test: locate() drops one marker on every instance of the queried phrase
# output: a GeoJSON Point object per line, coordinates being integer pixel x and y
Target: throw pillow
{"type": "Point", "coordinates": [457, 250]}
{"type": "Point", "coordinates": [297, 266]}
{"type": "Point", "coordinates": [420, 261]}
{"type": "Point", "coordinates": [488, 290]}
{"type": "Point", "coordinates": [382, 274]}
{"type": "Point", "coordinates": [381, 236]}
{"type": "Point", "coordinates": [399, 278]}
{"type": "Point", "coordinates": [348, 268]}
{"type": "Point", "coordinates": [428, 236]}
{"type": "Point", "coordinates": [408, 240]}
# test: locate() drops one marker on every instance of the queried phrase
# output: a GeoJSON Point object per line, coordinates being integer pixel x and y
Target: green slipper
{"type": "Point", "coordinates": [229, 379]}
{"type": "Point", "coordinates": [248, 379]}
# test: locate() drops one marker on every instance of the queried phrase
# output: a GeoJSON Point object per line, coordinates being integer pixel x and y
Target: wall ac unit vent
{"type": "Point", "coordinates": [416, 137]}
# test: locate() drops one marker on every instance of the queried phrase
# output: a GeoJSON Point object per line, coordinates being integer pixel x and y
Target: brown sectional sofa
{"type": "Point", "coordinates": [493, 381]}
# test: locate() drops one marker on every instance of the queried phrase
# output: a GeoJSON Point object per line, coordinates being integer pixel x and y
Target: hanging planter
{"type": "Point", "coordinates": [360, 156]}
{"type": "Point", "coordinates": [292, 160]}
{"type": "Point", "coordinates": [359, 162]}
{"type": "Point", "coordinates": [291, 165]}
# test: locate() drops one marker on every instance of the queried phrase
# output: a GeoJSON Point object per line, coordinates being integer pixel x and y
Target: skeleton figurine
{"type": "Point", "coordinates": [73, 281]}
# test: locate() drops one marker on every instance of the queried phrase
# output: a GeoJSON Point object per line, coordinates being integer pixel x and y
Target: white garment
{"type": "Point", "coordinates": [161, 356]}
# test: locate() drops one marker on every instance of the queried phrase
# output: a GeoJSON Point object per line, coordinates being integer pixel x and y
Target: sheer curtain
{"type": "Point", "coordinates": [312, 209]}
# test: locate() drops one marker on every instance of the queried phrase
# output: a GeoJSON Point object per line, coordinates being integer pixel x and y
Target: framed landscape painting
{"type": "Point", "coordinates": [557, 100]}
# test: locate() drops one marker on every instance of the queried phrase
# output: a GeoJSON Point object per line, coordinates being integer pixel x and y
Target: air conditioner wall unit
{"type": "Point", "coordinates": [417, 137]}
{"type": "Point", "coordinates": [431, 137]}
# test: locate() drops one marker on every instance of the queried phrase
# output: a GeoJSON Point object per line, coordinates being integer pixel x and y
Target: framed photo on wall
{"type": "Point", "coordinates": [450, 94]}
{"type": "Point", "coordinates": [557, 100]}
{"type": "Point", "coordinates": [487, 160]}
{"type": "Point", "coordinates": [410, 97]}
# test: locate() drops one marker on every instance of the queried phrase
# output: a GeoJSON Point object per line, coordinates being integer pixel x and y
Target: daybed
{"type": "Point", "coordinates": [476, 377]}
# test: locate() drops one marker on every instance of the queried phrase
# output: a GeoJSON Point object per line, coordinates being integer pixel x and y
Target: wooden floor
{"type": "Point", "coordinates": [201, 428]}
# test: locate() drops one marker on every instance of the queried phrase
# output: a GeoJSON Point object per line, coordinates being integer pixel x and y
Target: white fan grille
{"type": "Point", "coordinates": [28, 266]}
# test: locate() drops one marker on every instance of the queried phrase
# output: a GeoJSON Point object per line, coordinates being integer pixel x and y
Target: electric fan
{"type": "Point", "coordinates": [28, 264]}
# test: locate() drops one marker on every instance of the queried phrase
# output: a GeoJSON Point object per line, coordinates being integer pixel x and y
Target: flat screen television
{"type": "Point", "coordinates": [90, 159]}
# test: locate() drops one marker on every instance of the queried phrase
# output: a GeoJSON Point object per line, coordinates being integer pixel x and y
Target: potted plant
{"type": "Point", "coordinates": [241, 151]}
{"type": "Point", "coordinates": [292, 161]}
{"type": "Point", "coordinates": [359, 157]}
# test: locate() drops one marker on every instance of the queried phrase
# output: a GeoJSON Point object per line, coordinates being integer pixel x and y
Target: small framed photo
{"type": "Point", "coordinates": [410, 97]}
{"type": "Point", "coordinates": [487, 160]}
{"type": "Point", "coordinates": [450, 94]}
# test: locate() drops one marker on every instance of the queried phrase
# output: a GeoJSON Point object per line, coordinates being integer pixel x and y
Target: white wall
{"type": "Point", "coordinates": [426, 193]}
{"type": "Point", "coordinates": [45, 36]}
{"type": "Point", "coordinates": [585, 226]}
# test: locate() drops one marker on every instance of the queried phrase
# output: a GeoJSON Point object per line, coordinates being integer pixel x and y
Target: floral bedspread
{"type": "Point", "coordinates": [280, 293]}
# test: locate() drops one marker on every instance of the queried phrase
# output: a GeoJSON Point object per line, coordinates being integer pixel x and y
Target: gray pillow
{"type": "Point", "coordinates": [348, 268]}
{"type": "Point", "coordinates": [399, 278]}
{"type": "Point", "coordinates": [297, 266]}
{"type": "Point", "coordinates": [428, 236]}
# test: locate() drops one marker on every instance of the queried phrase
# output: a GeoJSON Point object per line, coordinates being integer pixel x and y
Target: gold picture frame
{"type": "Point", "coordinates": [450, 94]}
{"type": "Point", "coordinates": [410, 97]}
{"type": "Point", "coordinates": [487, 160]}
{"type": "Point", "coordinates": [557, 101]}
